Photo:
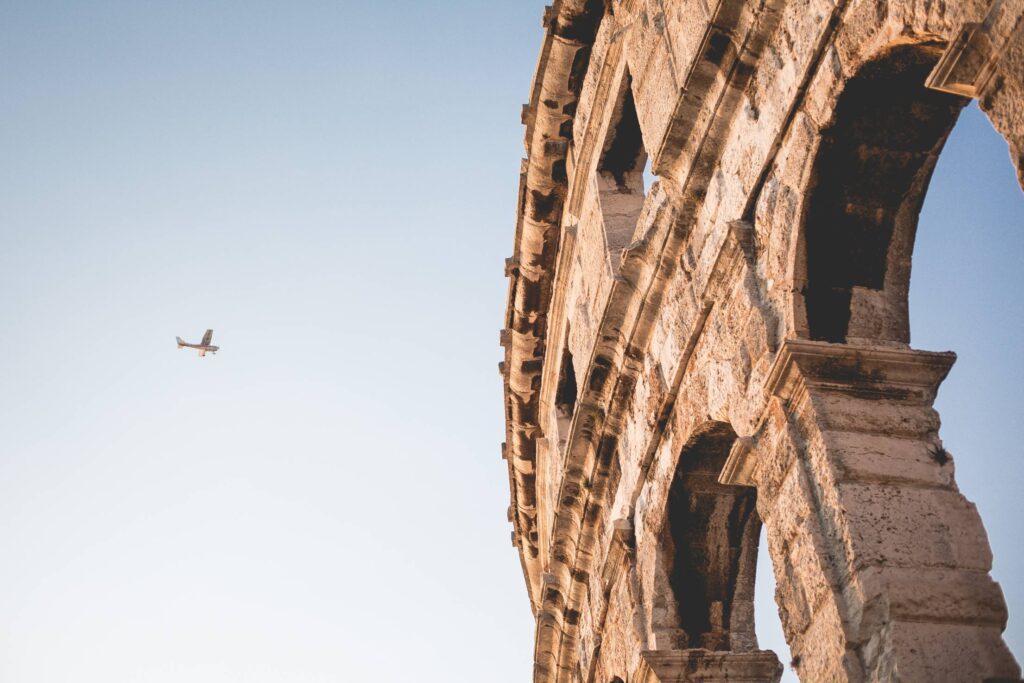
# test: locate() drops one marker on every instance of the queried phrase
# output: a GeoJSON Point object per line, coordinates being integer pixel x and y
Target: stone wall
{"type": "Point", "coordinates": [727, 346]}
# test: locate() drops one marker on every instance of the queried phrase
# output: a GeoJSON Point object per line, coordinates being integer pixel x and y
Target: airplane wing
{"type": "Point", "coordinates": [207, 338]}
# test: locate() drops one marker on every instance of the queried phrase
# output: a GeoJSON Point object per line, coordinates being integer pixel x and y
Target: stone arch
{"type": "Point", "coordinates": [944, 38]}
{"type": "Point", "coordinates": [878, 130]}
{"type": "Point", "coordinates": [708, 550]}
{"type": "Point", "coordinates": [869, 179]}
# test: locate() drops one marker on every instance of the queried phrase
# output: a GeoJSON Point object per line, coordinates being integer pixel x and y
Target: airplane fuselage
{"type": "Point", "coordinates": [204, 347]}
{"type": "Point", "coordinates": [207, 349]}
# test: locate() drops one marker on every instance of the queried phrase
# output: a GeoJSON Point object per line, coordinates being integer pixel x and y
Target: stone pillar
{"type": "Point", "coordinates": [705, 666]}
{"type": "Point", "coordinates": [881, 564]}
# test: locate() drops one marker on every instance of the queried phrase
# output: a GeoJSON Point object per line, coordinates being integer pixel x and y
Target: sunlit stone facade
{"type": "Point", "coordinates": [707, 332]}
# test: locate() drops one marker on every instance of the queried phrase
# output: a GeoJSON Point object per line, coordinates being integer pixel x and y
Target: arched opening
{"type": "Point", "coordinates": [965, 296]}
{"type": "Point", "coordinates": [710, 544]}
{"type": "Point", "coordinates": [770, 634]}
{"type": "Point", "coordinates": [871, 173]}
{"type": "Point", "coordinates": [621, 173]}
{"type": "Point", "coordinates": [566, 395]}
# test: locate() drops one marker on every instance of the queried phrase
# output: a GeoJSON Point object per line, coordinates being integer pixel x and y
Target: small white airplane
{"type": "Point", "coordinates": [204, 346]}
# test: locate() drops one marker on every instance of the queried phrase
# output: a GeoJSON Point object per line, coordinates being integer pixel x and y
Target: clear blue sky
{"type": "Point", "coordinates": [332, 187]}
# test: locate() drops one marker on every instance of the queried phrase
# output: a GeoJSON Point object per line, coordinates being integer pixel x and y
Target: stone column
{"type": "Point", "coordinates": [881, 564]}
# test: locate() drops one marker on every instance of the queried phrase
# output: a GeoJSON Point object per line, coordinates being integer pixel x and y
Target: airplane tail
{"type": "Point", "coordinates": [181, 342]}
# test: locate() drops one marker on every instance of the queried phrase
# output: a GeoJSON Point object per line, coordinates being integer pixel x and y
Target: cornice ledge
{"type": "Point", "coordinates": [867, 371]}
{"type": "Point", "coordinates": [706, 666]}
{"type": "Point", "coordinates": [970, 60]}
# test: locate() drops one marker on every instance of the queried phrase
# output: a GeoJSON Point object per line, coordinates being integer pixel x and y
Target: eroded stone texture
{"type": "Point", "coordinates": [728, 347]}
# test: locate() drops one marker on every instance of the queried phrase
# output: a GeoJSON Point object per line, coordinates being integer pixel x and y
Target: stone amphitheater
{"type": "Point", "coordinates": [707, 332]}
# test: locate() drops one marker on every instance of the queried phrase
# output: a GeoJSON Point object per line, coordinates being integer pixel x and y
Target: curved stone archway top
{"type": "Point", "coordinates": [707, 331]}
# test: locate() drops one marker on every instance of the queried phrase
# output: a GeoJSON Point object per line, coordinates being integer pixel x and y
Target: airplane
{"type": "Point", "coordinates": [204, 346]}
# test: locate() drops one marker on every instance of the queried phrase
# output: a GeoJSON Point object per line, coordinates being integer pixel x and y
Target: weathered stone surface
{"type": "Point", "coordinates": [726, 347]}
{"type": "Point", "coordinates": [705, 666]}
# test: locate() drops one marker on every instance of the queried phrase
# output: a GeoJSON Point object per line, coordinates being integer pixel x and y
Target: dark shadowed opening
{"type": "Point", "coordinates": [871, 174]}
{"type": "Point", "coordinates": [714, 531]}
{"type": "Point", "coordinates": [566, 394]}
{"type": "Point", "coordinates": [624, 154]}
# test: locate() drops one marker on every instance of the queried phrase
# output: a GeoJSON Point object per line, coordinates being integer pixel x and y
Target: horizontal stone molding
{"type": "Point", "coordinates": [900, 374]}
{"type": "Point", "coordinates": [707, 666]}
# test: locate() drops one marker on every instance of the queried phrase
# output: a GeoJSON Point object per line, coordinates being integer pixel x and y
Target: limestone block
{"type": "Point", "coordinates": [1005, 90]}
{"type": "Point", "coordinates": [881, 458]}
{"type": "Point", "coordinates": [801, 557]}
{"type": "Point", "coordinates": [589, 94]}
{"type": "Point", "coordinates": [706, 666]}
{"type": "Point", "coordinates": [928, 595]}
{"type": "Point", "coordinates": [946, 652]}
{"type": "Point", "coordinates": [823, 652]}
{"type": "Point", "coordinates": [650, 65]}
{"type": "Point", "coordinates": [838, 412]}
{"type": "Point", "coordinates": [913, 527]}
